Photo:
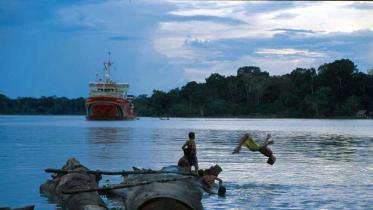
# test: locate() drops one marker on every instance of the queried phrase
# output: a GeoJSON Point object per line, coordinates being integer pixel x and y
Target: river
{"type": "Point", "coordinates": [321, 164]}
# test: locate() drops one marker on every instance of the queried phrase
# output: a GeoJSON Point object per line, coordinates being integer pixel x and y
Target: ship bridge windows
{"type": "Point", "coordinates": [105, 90]}
{"type": "Point", "coordinates": [109, 90]}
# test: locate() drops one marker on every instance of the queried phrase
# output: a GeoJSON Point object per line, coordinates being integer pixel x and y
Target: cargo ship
{"type": "Point", "coordinates": [108, 100]}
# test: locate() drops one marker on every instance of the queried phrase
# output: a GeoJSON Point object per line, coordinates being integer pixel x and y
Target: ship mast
{"type": "Point", "coordinates": [107, 65]}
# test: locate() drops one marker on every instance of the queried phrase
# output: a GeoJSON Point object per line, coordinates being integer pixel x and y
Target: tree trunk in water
{"type": "Point", "coordinates": [81, 179]}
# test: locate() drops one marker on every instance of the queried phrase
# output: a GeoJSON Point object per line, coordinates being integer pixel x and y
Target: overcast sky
{"type": "Point", "coordinates": [56, 47]}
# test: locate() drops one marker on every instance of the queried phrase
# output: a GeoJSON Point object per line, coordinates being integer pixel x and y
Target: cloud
{"type": "Point", "coordinates": [209, 18]}
{"type": "Point", "coordinates": [294, 31]}
{"type": "Point", "coordinates": [195, 41]}
{"type": "Point", "coordinates": [323, 16]}
{"type": "Point", "coordinates": [289, 51]}
{"type": "Point", "coordinates": [361, 5]}
{"type": "Point", "coordinates": [194, 74]}
{"type": "Point", "coordinates": [285, 16]}
{"type": "Point", "coordinates": [115, 17]}
{"type": "Point", "coordinates": [282, 34]}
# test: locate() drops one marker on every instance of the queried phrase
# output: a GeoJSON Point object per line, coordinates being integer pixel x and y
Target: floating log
{"type": "Point", "coordinates": [75, 187]}
{"type": "Point", "coordinates": [79, 179]}
{"type": "Point", "coordinates": [121, 186]}
{"type": "Point", "coordinates": [183, 194]}
{"type": "Point", "coordinates": [122, 173]}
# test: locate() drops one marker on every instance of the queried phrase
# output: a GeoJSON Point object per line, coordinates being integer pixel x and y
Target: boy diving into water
{"type": "Point", "coordinates": [253, 146]}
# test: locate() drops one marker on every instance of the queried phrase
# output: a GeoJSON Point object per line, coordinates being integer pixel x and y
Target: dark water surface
{"type": "Point", "coordinates": [321, 164]}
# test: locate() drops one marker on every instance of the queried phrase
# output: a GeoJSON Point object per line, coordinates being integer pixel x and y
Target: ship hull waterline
{"type": "Point", "coordinates": [107, 108]}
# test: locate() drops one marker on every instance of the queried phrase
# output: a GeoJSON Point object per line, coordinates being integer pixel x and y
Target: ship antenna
{"type": "Point", "coordinates": [107, 68]}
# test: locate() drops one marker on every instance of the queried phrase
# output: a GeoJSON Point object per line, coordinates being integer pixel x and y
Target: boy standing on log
{"type": "Point", "coordinates": [191, 145]}
{"type": "Point", "coordinates": [253, 146]}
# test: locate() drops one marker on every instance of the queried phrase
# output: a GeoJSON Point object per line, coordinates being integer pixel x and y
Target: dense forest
{"type": "Point", "coordinates": [336, 89]}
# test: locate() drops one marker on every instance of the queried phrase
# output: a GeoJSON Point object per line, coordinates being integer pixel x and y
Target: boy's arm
{"type": "Point", "coordinates": [184, 145]}
{"type": "Point", "coordinates": [219, 180]}
{"type": "Point", "coordinates": [240, 143]}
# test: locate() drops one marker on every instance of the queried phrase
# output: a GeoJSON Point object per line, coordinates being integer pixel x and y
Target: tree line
{"type": "Point", "coordinates": [336, 89]}
{"type": "Point", "coordinates": [51, 105]}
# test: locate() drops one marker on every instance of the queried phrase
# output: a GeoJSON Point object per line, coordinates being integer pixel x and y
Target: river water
{"type": "Point", "coordinates": [321, 164]}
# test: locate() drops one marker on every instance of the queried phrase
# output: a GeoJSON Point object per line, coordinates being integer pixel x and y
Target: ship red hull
{"type": "Point", "coordinates": [107, 108]}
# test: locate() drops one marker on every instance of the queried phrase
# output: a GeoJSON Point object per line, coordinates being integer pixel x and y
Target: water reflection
{"type": "Point", "coordinates": [107, 144]}
{"type": "Point", "coordinates": [108, 135]}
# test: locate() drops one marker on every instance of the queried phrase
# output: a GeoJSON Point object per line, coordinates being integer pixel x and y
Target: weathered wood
{"type": "Point", "coordinates": [77, 180]}
{"type": "Point", "coordinates": [186, 192]}
{"type": "Point", "coordinates": [164, 204]}
{"type": "Point", "coordinates": [170, 188]}
{"type": "Point", "coordinates": [122, 173]}
{"type": "Point", "coordinates": [181, 194]}
{"type": "Point", "coordinates": [121, 186]}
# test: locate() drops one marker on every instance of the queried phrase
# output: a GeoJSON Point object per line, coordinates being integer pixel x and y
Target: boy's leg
{"type": "Point", "coordinates": [196, 163]}
{"type": "Point", "coordinates": [240, 143]}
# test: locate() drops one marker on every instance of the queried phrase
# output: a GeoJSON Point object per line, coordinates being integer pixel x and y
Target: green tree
{"type": "Point", "coordinates": [320, 104]}
{"type": "Point", "coordinates": [338, 76]}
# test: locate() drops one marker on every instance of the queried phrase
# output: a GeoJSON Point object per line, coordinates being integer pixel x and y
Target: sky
{"type": "Point", "coordinates": [52, 47]}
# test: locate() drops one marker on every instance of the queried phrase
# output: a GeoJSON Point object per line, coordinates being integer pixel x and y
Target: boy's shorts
{"type": "Point", "coordinates": [266, 151]}
{"type": "Point", "coordinates": [192, 159]}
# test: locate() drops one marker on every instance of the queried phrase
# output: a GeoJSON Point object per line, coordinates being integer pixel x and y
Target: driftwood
{"type": "Point", "coordinates": [122, 173]}
{"type": "Point", "coordinates": [121, 186]}
{"type": "Point", "coordinates": [77, 180]}
{"type": "Point", "coordinates": [75, 187]}
{"type": "Point", "coordinates": [183, 194]}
